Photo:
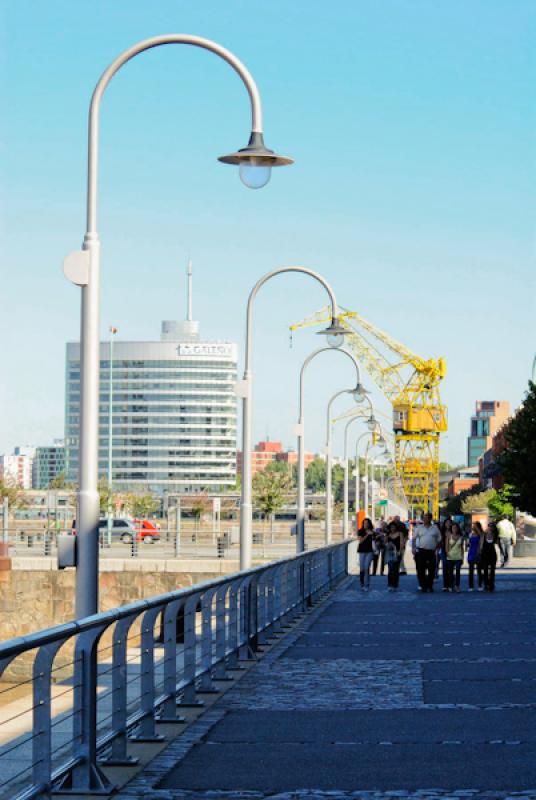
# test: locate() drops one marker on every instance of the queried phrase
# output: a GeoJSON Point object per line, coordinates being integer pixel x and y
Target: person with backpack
{"type": "Point", "coordinates": [365, 538]}
{"type": "Point", "coordinates": [453, 557]}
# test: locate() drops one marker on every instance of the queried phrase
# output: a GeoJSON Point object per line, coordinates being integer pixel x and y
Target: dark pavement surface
{"type": "Point", "coordinates": [385, 692]}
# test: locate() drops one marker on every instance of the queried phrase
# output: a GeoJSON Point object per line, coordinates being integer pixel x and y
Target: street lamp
{"type": "Point", "coordinates": [300, 432]}
{"type": "Point", "coordinates": [83, 268]}
{"type": "Point", "coordinates": [244, 390]}
{"type": "Point", "coordinates": [329, 464]}
{"type": "Point", "coordinates": [345, 521]}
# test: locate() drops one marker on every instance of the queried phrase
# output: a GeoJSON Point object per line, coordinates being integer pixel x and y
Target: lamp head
{"type": "Point", "coordinates": [334, 333]}
{"type": "Point", "coordinates": [381, 441]}
{"type": "Point", "coordinates": [371, 423]}
{"type": "Point", "coordinates": [255, 162]}
{"type": "Point", "coordinates": [359, 393]}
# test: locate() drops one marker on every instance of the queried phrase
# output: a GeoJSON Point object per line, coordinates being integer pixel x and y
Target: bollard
{"type": "Point", "coordinates": [29, 540]}
{"type": "Point", "coordinates": [46, 542]}
{"type": "Point", "coordinates": [134, 546]}
{"type": "Point", "coordinates": [220, 547]}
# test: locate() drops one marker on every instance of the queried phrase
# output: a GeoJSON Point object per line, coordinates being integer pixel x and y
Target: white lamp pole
{"type": "Point", "coordinates": [345, 522]}
{"type": "Point", "coordinates": [83, 269]}
{"type": "Point", "coordinates": [335, 336]}
{"type": "Point", "coordinates": [329, 466]}
{"type": "Point", "coordinates": [300, 432]}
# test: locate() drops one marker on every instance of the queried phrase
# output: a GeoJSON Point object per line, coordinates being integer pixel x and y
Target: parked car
{"type": "Point", "coordinates": [148, 532]}
{"type": "Point", "coordinates": [122, 530]}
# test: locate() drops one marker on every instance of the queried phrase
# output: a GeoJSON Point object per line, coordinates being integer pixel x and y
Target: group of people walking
{"type": "Point", "coordinates": [435, 547]}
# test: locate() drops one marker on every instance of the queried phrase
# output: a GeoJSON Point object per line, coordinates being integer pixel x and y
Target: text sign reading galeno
{"type": "Point", "coordinates": [193, 349]}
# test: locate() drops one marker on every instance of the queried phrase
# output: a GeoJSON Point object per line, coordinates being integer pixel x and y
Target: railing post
{"type": "Point", "coordinates": [189, 698]}
{"type": "Point", "coordinates": [86, 776]}
{"type": "Point", "coordinates": [119, 756]}
{"type": "Point", "coordinates": [42, 742]}
{"type": "Point", "coordinates": [206, 684]}
{"type": "Point", "coordinates": [221, 634]}
{"type": "Point", "coordinates": [169, 706]}
{"type": "Point", "coordinates": [147, 731]}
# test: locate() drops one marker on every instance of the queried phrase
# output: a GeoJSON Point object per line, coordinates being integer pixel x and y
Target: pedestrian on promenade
{"type": "Point", "coordinates": [442, 553]}
{"type": "Point", "coordinates": [393, 552]}
{"type": "Point", "coordinates": [453, 557]}
{"type": "Point", "coordinates": [404, 535]}
{"type": "Point", "coordinates": [378, 548]}
{"type": "Point", "coordinates": [507, 539]}
{"type": "Point", "coordinates": [427, 540]}
{"type": "Point", "coordinates": [365, 538]}
{"type": "Point", "coordinates": [473, 556]}
{"type": "Point", "coordinates": [488, 556]}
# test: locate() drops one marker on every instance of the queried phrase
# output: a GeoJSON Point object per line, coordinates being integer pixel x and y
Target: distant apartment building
{"type": "Point", "coordinates": [16, 469]}
{"type": "Point", "coordinates": [489, 416]}
{"type": "Point", "coordinates": [172, 407]}
{"type": "Point", "coordinates": [266, 452]}
{"type": "Point", "coordinates": [48, 463]}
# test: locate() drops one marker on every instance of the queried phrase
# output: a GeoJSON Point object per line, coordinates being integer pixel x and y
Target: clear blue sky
{"type": "Point", "coordinates": [413, 128]}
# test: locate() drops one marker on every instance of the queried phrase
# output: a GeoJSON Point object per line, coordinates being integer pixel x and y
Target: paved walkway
{"type": "Point", "coordinates": [374, 695]}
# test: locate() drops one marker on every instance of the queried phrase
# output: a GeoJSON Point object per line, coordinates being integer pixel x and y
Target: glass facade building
{"type": "Point", "coordinates": [48, 463]}
{"type": "Point", "coordinates": [173, 412]}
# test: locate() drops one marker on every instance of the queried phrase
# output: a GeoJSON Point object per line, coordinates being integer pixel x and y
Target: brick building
{"type": "Point", "coordinates": [489, 417]}
{"type": "Point", "coordinates": [266, 452]}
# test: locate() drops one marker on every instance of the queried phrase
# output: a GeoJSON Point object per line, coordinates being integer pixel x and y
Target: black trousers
{"type": "Point", "coordinates": [488, 573]}
{"type": "Point", "coordinates": [381, 558]}
{"type": "Point", "coordinates": [425, 561]}
{"type": "Point", "coordinates": [472, 566]}
{"type": "Point", "coordinates": [453, 569]}
{"type": "Point", "coordinates": [393, 573]}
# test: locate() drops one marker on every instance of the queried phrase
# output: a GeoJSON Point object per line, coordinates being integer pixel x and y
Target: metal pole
{"type": "Point", "coordinates": [84, 270]}
{"type": "Point", "coordinates": [244, 390]}
{"type": "Point", "coordinates": [371, 491]}
{"type": "Point", "coordinates": [329, 466]}
{"type": "Point", "coordinates": [177, 527]}
{"type": "Point", "coordinates": [345, 502]}
{"type": "Point", "coordinates": [113, 331]}
{"type": "Point", "coordinates": [300, 433]}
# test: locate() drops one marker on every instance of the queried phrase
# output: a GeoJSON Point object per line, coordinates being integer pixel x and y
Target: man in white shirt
{"type": "Point", "coordinates": [507, 538]}
{"type": "Point", "coordinates": [426, 541]}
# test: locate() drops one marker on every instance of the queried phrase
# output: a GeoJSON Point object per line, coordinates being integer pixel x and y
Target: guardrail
{"type": "Point", "coordinates": [134, 667]}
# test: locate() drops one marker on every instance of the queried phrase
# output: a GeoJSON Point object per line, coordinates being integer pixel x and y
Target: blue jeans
{"type": "Point", "coordinates": [365, 560]}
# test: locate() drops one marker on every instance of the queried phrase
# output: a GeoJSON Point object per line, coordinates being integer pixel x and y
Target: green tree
{"type": "Point", "coordinates": [500, 505]}
{"type": "Point", "coordinates": [141, 506]}
{"type": "Point", "coordinates": [315, 476]}
{"type": "Point", "coordinates": [518, 460]}
{"type": "Point", "coordinates": [477, 501]}
{"type": "Point", "coordinates": [270, 488]}
{"type": "Point", "coordinates": [9, 492]}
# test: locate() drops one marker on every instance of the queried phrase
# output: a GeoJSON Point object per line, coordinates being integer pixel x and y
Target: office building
{"type": "Point", "coordinates": [173, 410]}
{"type": "Point", "coordinates": [48, 463]}
{"type": "Point", "coordinates": [489, 416]}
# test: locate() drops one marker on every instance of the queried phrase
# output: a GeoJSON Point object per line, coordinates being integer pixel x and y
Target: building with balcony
{"type": "Point", "coordinates": [489, 416]}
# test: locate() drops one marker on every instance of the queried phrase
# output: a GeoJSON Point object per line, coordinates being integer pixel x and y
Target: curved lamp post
{"type": "Point", "coordinates": [335, 336]}
{"type": "Point", "coordinates": [359, 392]}
{"type": "Point", "coordinates": [345, 525]}
{"type": "Point", "coordinates": [82, 268]}
{"type": "Point", "coordinates": [329, 463]}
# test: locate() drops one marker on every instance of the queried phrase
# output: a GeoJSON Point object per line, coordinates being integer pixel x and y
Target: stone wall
{"type": "Point", "coordinates": [34, 599]}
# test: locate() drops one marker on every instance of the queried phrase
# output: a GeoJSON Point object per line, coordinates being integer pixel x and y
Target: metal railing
{"type": "Point", "coordinates": [128, 669]}
{"type": "Point", "coordinates": [191, 541]}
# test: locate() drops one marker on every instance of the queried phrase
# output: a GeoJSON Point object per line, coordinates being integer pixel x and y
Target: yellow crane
{"type": "Point", "coordinates": [411, 384]}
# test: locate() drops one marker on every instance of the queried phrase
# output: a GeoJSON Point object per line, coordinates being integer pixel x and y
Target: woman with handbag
{"type": "Point", "coordinates": [473, 557]}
